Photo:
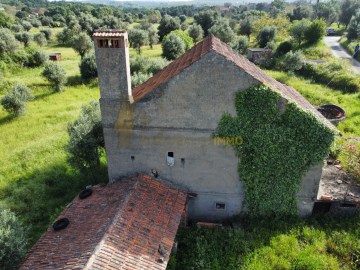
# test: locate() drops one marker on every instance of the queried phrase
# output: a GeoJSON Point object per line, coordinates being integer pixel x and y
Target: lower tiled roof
{"type": "Point", "coordinates": [120, 226]}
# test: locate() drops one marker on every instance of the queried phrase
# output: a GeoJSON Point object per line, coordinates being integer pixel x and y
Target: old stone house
{"type": "Point", "coordinates": [165, 125]}
{"type": "Point", "coordinates": [164, 166]}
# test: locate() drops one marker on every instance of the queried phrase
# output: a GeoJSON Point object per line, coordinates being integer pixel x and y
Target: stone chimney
{"type": "Point", "coordinates": [113, 65]}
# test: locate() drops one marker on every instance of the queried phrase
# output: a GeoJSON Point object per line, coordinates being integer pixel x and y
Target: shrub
{"type": "Point", "coordinates": [298, 29]}
{"type": "Point", "coordinates": [55, 74]}
{"type": "Point", "coordinates": [138, 38]}
{"type": "Point", "coordinates": [242, 44]}
{"type": "Point", "coordinates": [316, 31]}
{"type": "Point", "coordinates": [12, 240]}
{"type": "Point", "coordinates": [284, 47]}
{"type": "Point", "coordinates": [86, 138]}
{"type": "Point", "coordinates": [265, 35]}
{"type": "Point", "coordinates": [40, 39]}
{"type": "Point", "coordinates": [15, 101]}
{"type": "Point", "coordinates": [139, 78]}
{"type": "Point", "coordinates": [88, 69]}
{"type": "Point", "coordinates": [196, 32]}
{"type": "Point", "coordinates": [157, 64]}
{"type": "Point", "coordinates": [354, 27]}
{"type": "Point", "coordinates": [145, 65]}
{"type": "Point", "coordinates": [47, 33]}
{"type": "Point", "coordinates": [223, 31]}
{"type": "Point", "coordinates": [167, 25]}
{"type": "Point", "coordinates": [27, 25]}
{"type": "Point", "coordinates": [173, 47]}
{"type": "Point", "coordinates": [184, 37]}
{"type": "Point", "coordinates": [24, 37]}
{"type": "Point", "coordinates": [8, 42]}
{"type": "Point", "coordinates": [17, 27]}
{"type": "Point", "coordinates": [293, 61]}
{"type": "Point", "coordinates": [82, 44]}
{"type": "Point", "coordinates": [36, 58]}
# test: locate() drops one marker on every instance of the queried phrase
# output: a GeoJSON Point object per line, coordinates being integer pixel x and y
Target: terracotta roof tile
{"type": "Point", "coordinates": [212, 43]}
{"type": "Point", "coordinates": [120, 226]}
{"type": "Point", "coordinates": [108, 33]}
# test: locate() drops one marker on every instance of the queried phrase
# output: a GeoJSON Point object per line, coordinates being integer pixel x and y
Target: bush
{"type": "Point", "coordinates": [184, 37]}
{"type": "Point", "coordinates": [15, 101]}
{"type": "Point", "coordinates": [24, 37]}
{"type": "Point", "coordinates": [167, 25]}
{"type": "Point", "coordinates": [196, 32]}
{"type": "Point", "coordinates": [266, 35]}
{"type": "Point", "coordinates": [82, 44]}
{"type": "Point", "coordinates": [223, 31]}
{"type": "Point", "coordinates": [17, 28]}
{"type": "Point", "coordinates": [12, 240]}
{"type": "Point", "coordinates": [55, 74]}
{"type": "Point", "coordinates": [242, 44]}
{"type": "Point", "coordinates": [88, 69]}
{"type": "Point", "coordinates": [293, 61]}
{"type": "Point", "coordinates": [284, 47]}
{"type": "Point", "coordinates": [40, 39]}
{"type": "Point", "coordinates": [173, 47]}
{"type": "Point", "coordinates": [146, 65]}
{"type": "Point", "coordinates": [139, 78]}
{"type": "Point", "coordinates": [8, 42]}
{"type": "Point", "coordinates": [27, 25]}
{"type": "Point", "coordinates": [47, 33]}
{"type": "Point", "coordinates": [316, 31]}
{"type": "Point", "coordinates": [86, 138]}
{"type": "Point", "coordinates": [354, 27]}
{"type": "Point", "coordinates": [36, 58]}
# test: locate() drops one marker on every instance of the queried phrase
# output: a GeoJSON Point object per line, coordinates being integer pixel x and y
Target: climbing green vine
{"type": "Point", "coordinates": [280, 143]}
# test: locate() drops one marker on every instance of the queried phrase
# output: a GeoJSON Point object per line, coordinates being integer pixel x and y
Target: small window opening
{"type": "Point", "coordinates": [132, 158]}
{"type": "Point", "coordinates": [220, 205]}
{"type": "Point", "coordinates": [170, 159]}
{"type": "Point", "coordinates": [183, 161]}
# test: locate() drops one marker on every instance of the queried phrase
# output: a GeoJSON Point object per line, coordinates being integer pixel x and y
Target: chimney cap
{"type": "Point", "coordinates": [108, 33]}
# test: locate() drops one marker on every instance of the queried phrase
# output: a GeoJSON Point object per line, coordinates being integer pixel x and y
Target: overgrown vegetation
{"type": "Point", "coordinates": [317, 244]}
{"type": "Point", "coordinates": [278, 148]}
{"type": "Point", "coordinates": [13, 240]}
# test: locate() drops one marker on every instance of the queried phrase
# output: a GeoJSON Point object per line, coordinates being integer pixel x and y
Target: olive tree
{"type": "Point", "coordinates": [8, 42]}
{"type": "Point", "coordinates": [82, 44]}
{"type": "Point", "coordinates": [40, 39]}
{"type": "Point", "coordinates": [138, 38]}
{"type": "Point", "coordinates": [13, 240]}
{"type": "Point", "coordinates": [196, 32]}
{"type": "Point", "coordinates": [86, 138]}
{"type": "Point", "coordinates": [88, 69]}
{"type": "Point", "coordinates": [223, 31]}
{"type": "Point", "coordinates": [55, 74]}
{"type": "Point", "coordinates": [298, 30]}
{"type": "Point", "coordinates": [173, 46]}
{"type": "Point", "coordinates": [167, 25]}
{"type": "Point", "coordinates": [24, 37]}
{"type": "Point", "coordinates": [15, 101]}
{"type": "Point", "coordinates": [266, 35]}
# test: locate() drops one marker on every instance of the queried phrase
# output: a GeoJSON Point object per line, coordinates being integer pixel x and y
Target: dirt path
{"type": "Point", "coordinates": [339, 52]}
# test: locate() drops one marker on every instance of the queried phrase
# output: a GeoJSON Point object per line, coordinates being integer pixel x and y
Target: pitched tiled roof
{"type": "Point", "coordinates": [211, 43]}
{"type": "Point", "coordinates": [120, 226]}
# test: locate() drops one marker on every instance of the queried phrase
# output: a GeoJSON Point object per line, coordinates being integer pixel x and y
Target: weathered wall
{"type": "Point", "coordinates": [180, 117]}
{"type": "Point", "coordinates": [309, 189]}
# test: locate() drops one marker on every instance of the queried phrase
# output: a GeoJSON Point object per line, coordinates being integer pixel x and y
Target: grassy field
{"type": "Point", "coordinates": [36, 182]}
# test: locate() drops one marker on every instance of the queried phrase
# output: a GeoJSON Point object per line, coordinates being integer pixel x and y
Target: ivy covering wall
{"type": "Point", "coordinates": [280, 143]}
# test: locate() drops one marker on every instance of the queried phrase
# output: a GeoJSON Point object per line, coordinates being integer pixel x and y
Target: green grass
{"type": "Point", "coordinates": [349, 46]}
{"type": "Point", "coordinates": [318, 51]}
{"type": "Point", "coordinates": [146, 51]}
{"type": "Point", "coordinates": [315, 244]}
{"type": "Point", "coordinates": [35, 180]}
{"type": "Point", "coordinates": [350, 128]}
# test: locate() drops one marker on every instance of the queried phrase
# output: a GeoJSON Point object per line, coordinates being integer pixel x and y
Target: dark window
{"type": "Point", "coordinates": [132, 157]}
{"type": "Point", "coordinates": [182, 160]}
{"type": "Point", "coordinates": [171, 154]}
{"type": "Point", "coordinates": [220, 205]}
